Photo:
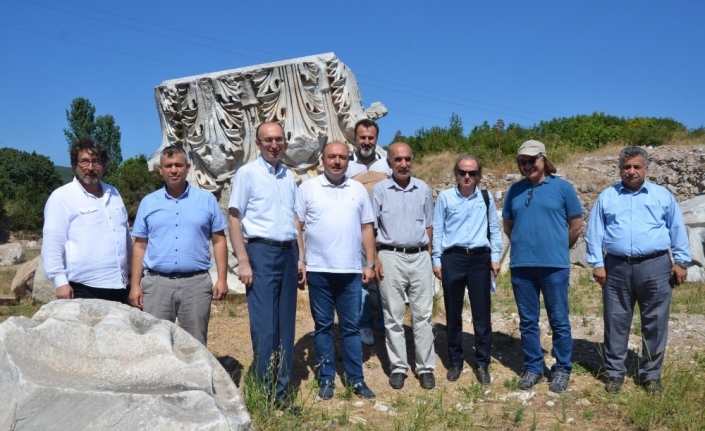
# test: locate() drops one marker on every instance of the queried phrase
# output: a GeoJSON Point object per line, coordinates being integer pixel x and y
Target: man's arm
{"type": "Point", "coordinates": [55, 233]}
{"type": "Point", "coordinates": [302, 251]}
{"type": "Point", "coordinates": [575, 227]}
{"type": "Point", "coordinates": [368, 243]}
{"type": "Point", "coordinates": [244, 270]}
{"type": "Point", "coordinates": [507, 226]}
{"type": "Point", "coordinates": [220, 251]}
{"type": "Point", "coordinates": [138, 250]}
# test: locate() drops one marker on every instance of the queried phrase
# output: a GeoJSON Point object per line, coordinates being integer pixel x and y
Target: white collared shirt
{"type": "Point", "coordinates": [86, 238]}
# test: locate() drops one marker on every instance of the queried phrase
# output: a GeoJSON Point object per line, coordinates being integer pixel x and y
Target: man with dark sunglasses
{"type": "Point", "coordinates": [543, 218]}
{"type": "Point", "coordinates": [466, 251]}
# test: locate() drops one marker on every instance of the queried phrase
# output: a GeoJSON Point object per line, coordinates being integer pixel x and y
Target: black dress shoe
{"type": "Point", "coordinates": [454, 373]}
{"type": "Point", "coordinates": [483, 375]}
{"type": "Point", "coordinates": [614, 384]}
{"type": "Point", "coordinates": [427, 380]}
{"type": "Point", "coordinates": [396, 380]}
{"type": "Point", "coordinates": [654, 386]}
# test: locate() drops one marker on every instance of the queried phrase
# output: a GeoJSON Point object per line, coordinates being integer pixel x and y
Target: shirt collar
{"type": "Point", "coordinates": [106, 190]}
{"type": "Point", "coordinates": [265, 164]}
{"type": "Point", "coordinates": [475, 193]}
{"type": "Point", "coordinates": [411, 186]}
{"type": "Point", "coordinates": [621, 188]}
{"type": "Point", "coordinates": [184, 195]}
{"type": "Point", "coordinates": [326, 183]}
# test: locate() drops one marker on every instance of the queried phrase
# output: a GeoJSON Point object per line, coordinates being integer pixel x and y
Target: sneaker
{"type": "Point", "coordinates": [325, 389]}
{"type": "Point", "coordinates": [529, 379]}
{"type": "Point", "coordinates": [559, 382]}
{"type": "Point", "coordinates": [361, 390]}
{"type": "Point", "coordinates": [614, 385]}
{"type": "Point", "coordinates": [396, 380]}
{"type": "Point", "coordinates": [367, 337]}
{"type": "Point", "coordinates": [454, 373]}
{"type": "Point", "coordinates": [483, 375]}
{"type": "Point", "coordinates": [427, 380]}
{"type": "Point", "coordinates": [654, 386]}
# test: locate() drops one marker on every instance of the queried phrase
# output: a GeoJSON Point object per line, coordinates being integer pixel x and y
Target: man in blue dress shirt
{"type": "Point", "coordinates": [172, 229]}
{"type": "Point", "coordinates": [542, 218]}
{"type": "Point", "coordinates": [261, 212]}
{"type": "Point", "coordinates": [466, 250]}
{"type": "Point", "coordinates": [635, 223]}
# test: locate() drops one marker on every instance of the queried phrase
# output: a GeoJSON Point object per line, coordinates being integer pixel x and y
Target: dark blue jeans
{"type": "Point", "coordinates": [271, 301]}
{"type": "Point", "coordinates": [330, 293]}
{"type": "Point", "coordinates": [528, 284]}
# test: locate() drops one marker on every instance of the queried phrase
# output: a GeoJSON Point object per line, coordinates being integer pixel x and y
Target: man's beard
{"type": "Point", "coordinates": [88, 181]}
{"type": "Point", "coordinates": [367, 152]}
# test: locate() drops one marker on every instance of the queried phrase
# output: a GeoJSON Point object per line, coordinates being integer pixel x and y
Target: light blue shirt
{"type": "Point", "coordinates": [266, 199]}
{"type": "Point", "coordinates": [462, 222]}
{"type": "Point", "coordinates": [178, 231]}
{"type": "Point", "coordinates": [633, 224]}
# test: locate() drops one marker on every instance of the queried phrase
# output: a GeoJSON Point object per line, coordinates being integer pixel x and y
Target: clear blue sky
{"type": "Point", "coordinates": [522, 61]}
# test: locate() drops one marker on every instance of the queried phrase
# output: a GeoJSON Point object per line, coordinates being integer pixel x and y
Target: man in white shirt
{"type": "Point", "coordinates": [338, 217]}
{"type": "Point", "coordinates": [87, 246]}
{"type": "Point", "coordinates": [369, 168]}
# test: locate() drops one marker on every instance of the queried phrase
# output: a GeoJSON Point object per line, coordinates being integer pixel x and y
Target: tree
{"type": "Point", "coordinates": [108, 134]}
{"type": "Point", "coordinates": [82, 123]}
{"type": "Point", "coordinates": [81, 119]}
{"type": "Point", "coordinates": [27, 181]}
{"type": "Point", "coordinates": [134, 181]}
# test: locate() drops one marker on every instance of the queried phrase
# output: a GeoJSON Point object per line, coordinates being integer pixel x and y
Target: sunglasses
{"type": "Point", "coordinates": [528, 196]}
{"type": "Point", "coordinates": [462, 173]}
{"type": "Point", "coordinates": [530, 162]}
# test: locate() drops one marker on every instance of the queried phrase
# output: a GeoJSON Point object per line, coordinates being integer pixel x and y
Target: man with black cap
{"type": "Point", "coordinates": [543, 219]}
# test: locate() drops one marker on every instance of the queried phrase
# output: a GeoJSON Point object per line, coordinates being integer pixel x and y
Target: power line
{"type": "Point", "coordinates": [103, 48]}
{"type": "Point", "coordinates": [283, 57]}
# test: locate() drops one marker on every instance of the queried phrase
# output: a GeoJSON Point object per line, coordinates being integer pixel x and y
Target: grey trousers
{"type": "Point", "coordinates": [645, 283]}
{"type": "Point", "coordinates": [188, 299]}
{"type": "Point", "coordinates": [408, 275]}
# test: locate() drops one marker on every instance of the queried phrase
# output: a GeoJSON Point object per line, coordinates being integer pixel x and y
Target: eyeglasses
{"type": "Point", "coordinates": [84, 163]}
{"type": "Point", "coordinates": [462, 173]}
{"type": "Point", "coordinates": [528, 196]}
{"type": "Point", "coordinates": [278, 140]}
{"type": "Point", "coordinates": [530, 162]}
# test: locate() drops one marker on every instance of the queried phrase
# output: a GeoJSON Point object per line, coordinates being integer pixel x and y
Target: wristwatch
{"type": "Point", "coordinates": [372, 266]}
{"type": "Point", "coordinates": [303, 261]}
{"type": "Point", "coordinates": [683, 264]}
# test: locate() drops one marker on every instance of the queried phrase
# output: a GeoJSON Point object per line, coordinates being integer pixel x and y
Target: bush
{"type": "Point", "coordinates": [134, 181]}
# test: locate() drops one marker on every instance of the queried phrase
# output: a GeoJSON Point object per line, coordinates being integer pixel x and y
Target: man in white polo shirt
{"type": "Point", "coordinates": [338, 217]}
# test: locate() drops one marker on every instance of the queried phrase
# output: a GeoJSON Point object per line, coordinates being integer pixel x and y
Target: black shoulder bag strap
{"type": "Point", "coordinates": [486, 197]}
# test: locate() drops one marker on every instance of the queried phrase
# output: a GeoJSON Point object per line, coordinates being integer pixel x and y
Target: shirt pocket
{"type": "Point", "coordinates": [121, 214]}
{"type": "Point", "coordinates": [89, 216]}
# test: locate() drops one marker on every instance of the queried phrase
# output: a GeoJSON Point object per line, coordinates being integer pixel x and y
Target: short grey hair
{"type": "Point", "coordinates": [173, 150]}
{"type": "Point", "coordinates": [389, 150]}
{"type": "Point", "coordinates": [631, 152]}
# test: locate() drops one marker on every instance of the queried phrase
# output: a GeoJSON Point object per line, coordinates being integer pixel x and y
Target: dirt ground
{"type": "Point", "coordinates": [229, 339]}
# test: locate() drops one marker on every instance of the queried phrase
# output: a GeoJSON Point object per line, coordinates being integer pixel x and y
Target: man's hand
{"type": "Point", "coordinates": [437, 272]}
{"type": "Point", "coordinates": [301, 284]}
{"type": "Point", "coordinates": [220, 289]}
{"type": "Point", "coordinates": [244, 273]}
{"type": "Point", "coordinates": [679, 273]}
{"type": "Point", "coordinates": [64, 292]}
{"type": "Point", "coordinates": [367, 275]}
{"type": "Point", "coordinates": [136, 296]}
{"type": "Point", "coordinates": [495, 266]}
{"type": "Point", "coordinates": [600, 275]}
{"type": "Point", "coordinates": [379, 273]}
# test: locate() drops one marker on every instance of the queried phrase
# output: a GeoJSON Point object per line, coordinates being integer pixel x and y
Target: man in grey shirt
{"type": "Point", "coordinates": [403, 208]}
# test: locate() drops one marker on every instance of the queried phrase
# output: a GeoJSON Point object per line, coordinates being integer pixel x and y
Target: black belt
{"type": "Point", "coordinates": [280, 244]}
{"type": "Point", "coordinates": [463, 250]}
{"type": "Point", "coordinates": [407, 250]}
{"type": "Point", "coordinates": [638, 259]}
{"type": "Point", "coordinates": [177, 274]}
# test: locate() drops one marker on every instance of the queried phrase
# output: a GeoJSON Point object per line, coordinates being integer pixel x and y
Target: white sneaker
{"type": "Point", "coordinates": [367, 337]}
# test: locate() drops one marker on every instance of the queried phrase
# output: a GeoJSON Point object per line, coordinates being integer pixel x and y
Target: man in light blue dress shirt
{"type": "Point", "coordinates": [635, 223]}
{"type": "Point", "coordinates": [261, 212]}
{"type": "Point", "coordinates": [466, 250]}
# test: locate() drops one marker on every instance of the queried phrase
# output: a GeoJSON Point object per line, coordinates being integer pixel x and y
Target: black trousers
{"type": "Point", "coordinates": [83, 291]}
{"type": "Point", "coordinates": [461, 271]}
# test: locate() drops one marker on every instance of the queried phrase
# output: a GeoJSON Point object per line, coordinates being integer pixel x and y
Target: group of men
{"type": "Point", "coordinates": [370, 226]}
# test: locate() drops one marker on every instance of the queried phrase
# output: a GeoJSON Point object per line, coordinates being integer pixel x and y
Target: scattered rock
{"type": "Point", "coordinates": [92, 364]}
{"type": "Point", "coordinates": [583, 402]}
{"type": "Point", "coordinates": [42, 288]}
{"type": "Point", "coordinates": [24, 278]}
{"type": "Point", "coordinates": [11, 254]}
